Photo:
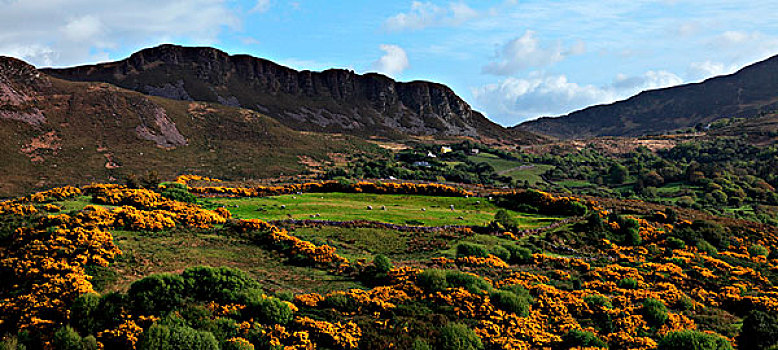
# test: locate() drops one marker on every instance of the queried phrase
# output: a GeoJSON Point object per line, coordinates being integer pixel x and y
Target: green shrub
{"type": "Point", "coordinates": [437, 280]}
{"type": "Point", "coordinates": [382, 264]}
{"type": "Point", "coordinates": [706, 247]}
{"type": "Point", "coordinates": [458, 336]}
{"type": "Point", "coordinates": [685, 304]}
{"type": "Point", "coordinates": [433, 280]}
{"type": "Point", "coordinates": [596, 300]}
{"type": "Point", "coordinates": [693, 340]}
{"type": "Point", "coordinates": [576, 209]}
{"type": "Point", "coordinates": [220, 284]}
{"type": "Point", "coordinates": [595, 223]}
{"type": "Point", "coordinates": [420, 344]}
{"type": "Point", "coordinates": [340, 302]}
{"type": "Point", "coordinates": [473, 283]}
{"type": "Point", "coordinates": [68, 339]}
{"type": "Point", "coordinates": [285, 295]}
{"type": "Point", "coordinates": [501, 252]}
{"type": "Point", "coordinates": [578, 338]}
{"type": "Point", "coordinates": [161, 337]}
{"type": "Point", "coordinates": [519, 255]}
{"type": "Point", "coordinates": [510, 302]}
{"type": "Point", "coordinates": [224, 328]}
{"type": "Point", "coordinates": [156, 294]}
{"type": "Point", "coordinates": [231, 345]}
{"type": "Point", "coordinates": [83, 312]}
{"type": "Point", "coordinates": [268, 310]}
{"type": "Point", "coordinates": [628, 283]}
{"type": "Point", "coordinates": [654, 312]}
{"type": "Point", "coordinates": [178, 194]}
{"type": "Point", "coordinates": [470, 249]}
{"type": "Point", "coordinates": [109, 310]}
{"type": "Point", "coordinates": [504, 220]}
{"type": "Point", "coordinates": [758, 250]}
{"type": "Point", "coordinates": [632, 236]}
{"type": "Point", "coordinates": [676, 243]}
{"type": "Point", "coordinates": [759, 331]}
{"type": "Point", "coordinates": [11, 343]}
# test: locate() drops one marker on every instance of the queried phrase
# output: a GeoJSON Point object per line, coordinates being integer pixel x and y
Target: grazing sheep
{"type": "Point", "coordinates": [369, 207]}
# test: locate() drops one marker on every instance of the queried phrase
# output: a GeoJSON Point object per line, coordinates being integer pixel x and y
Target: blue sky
{"type": "Point", "coordinates": [513, 60]}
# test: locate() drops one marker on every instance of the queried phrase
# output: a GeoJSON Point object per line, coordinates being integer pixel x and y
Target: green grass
{"type": "Point", "coordinates": [146, 253]}
{"type": "Point", "coordinates": [76, 203]}
{"type": "Point", "coordinates": [575, 183]}
{"type": "Point", "coordinates": [531, 175]}
{"type": "Point", "coordinates": [497, 163]}
{"type": "Point", "coordinates": [400, 209]}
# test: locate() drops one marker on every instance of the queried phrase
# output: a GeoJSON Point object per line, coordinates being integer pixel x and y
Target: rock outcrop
{"type": "Point", "coordinates": [334, 100]}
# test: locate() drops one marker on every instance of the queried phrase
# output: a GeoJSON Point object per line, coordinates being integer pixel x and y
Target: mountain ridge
{"type": "Point", "coordinates": [55, 132]}
{"type": "Point", "coordinates": [333, 100]}
{"type": "Point", "coordinates": [744, 94]}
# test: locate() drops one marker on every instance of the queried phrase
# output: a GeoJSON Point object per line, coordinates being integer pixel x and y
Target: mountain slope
{"type": "Point", "coordinates": [746, 93]}
{"type": "Point", "coordinates": [55, 132]}
{"type": "Point", "coordinates": [334, 100]}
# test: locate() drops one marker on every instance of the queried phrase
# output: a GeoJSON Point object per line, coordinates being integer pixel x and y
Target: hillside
{"type": "Point", "coordinates": [334, 100]}
{"type": "Point", "coordinates": [55, 132]}
{"type": "Point", "coordinates": [106, 266]}
{"type": "Point", "coordinates": [746, 93]}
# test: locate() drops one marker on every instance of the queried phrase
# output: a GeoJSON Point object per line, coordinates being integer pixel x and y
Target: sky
{"type": "Point", "coordinates": [512, 60]}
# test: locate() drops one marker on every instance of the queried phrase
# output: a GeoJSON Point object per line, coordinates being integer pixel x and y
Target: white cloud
{"type": "Point", "coordinates": [261, 6]}
{"type": "Point", "coordinates": [80, 31]}
{"type": "Point", "coordinates": [83, 28]}
{"type": "Point", "coordinates": [393, 62]}
{"type": "Point", "coordinates": [427, 14]}
{"type": "Point", "coordinates": [649, 80]}
{"type": "Point", "coordinates": [708, 69]}
{"type": "Point", "coordinates": [526, 52]}
{"type": "Point", "coordinates": [514, 100]}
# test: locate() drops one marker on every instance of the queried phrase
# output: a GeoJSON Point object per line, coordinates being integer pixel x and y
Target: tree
{"type": "Point", "coordinates": [618, 174]}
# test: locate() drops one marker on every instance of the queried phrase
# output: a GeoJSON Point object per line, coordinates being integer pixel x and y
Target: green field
{"type": "Point", "coordinates": [399, 209]}
{"type": "Point", "coordinates": [517, 170]}
{"type": "Point", "coordinates": [147, 253]}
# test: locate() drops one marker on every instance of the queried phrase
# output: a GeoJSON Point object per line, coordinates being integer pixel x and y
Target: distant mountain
{"type": "Point", "coordinates": [55, 132]}
{"type": "Point", "coordinates": [747, 93]}
{"type": "Point", "coordinates": [334, 100]}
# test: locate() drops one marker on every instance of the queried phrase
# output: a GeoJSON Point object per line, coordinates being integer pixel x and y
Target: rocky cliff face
{"type": "Point", "coordinates": [20, 84]}
{"type": "Point", "coordinates": [334, 100]}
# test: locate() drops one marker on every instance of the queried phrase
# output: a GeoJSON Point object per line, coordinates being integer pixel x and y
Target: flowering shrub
{"type": "Point", "coordinates": [47, 267]}
{"type": "Point", "coordinates": [430, 189]}
{"type": "Point", "coordinates": [542, 202]}
{"type": "Point", "coordinates": [282, 240]}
